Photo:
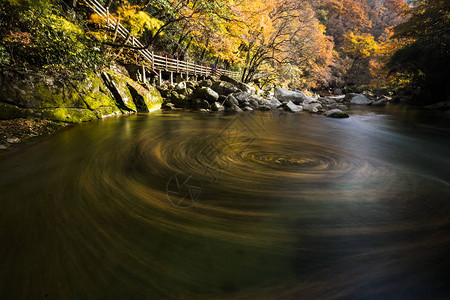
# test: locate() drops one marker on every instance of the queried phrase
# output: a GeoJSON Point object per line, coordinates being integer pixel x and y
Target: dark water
{"type": "Point", "coordinates": [249, 206]}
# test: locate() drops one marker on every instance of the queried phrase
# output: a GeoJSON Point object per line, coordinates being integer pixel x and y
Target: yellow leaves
{"type": "Point", "coordinates": [360, 46]}
{"type": "Point", "coordinates": [138, 21]}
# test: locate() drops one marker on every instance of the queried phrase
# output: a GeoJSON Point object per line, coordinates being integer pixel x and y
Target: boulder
{"type": "Point", "coordinates": [234, 108]}
{"type": "Point", "coordinates": [242, 86]}
{"type": "Point", "coordinates": [216, 106]}
{"type": "Point", "coordinates": [145, 99]}
{"type": "Point", "coordinates": [207, 94]}
{"type": "Point", "coordinates": [333, 106]}
{"type": "Point", "coordinates": [342, 107]}
{"type": "Point", "coordinates": [242, 97]}
{"type": "Point", "coordinates": [287, 95]}
{"type": "Point", "coordinates": [312, 107]}
{"type": "Point", "coordinates": [339, 98]}
{"type": "Point", "coordinates": [290, 106]}
{"type": "Point", "coordinates": [206, 83]}
{"type": "Point", "coordinates": [256, 98]}
{"type": "Point", "coordinates": [199, 104]}
{"type": "Point", "coordinates": [380, 102]}
{"type": "Point", "coordinates": [247, 108]}
{"type": "Point", "coordinates": [359, 99]}
{"type": "Point", "coordinates": [224, 88]}
{"type": "Point", "coordinates": [253, 102]}
{"type": "Point", "coordinates": [272, 103]}
{"type": "Point", "coordinates": [119, 90]}
{"type": "Point", "coordinates": [336, 113]}
{"type": "Point", "coordinates": [168, 106]}
{"type": "Point", "coordinates": [230, 101]}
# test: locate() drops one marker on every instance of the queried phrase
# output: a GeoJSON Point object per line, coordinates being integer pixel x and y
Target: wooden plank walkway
{"type": "Point", "coordinates": [155, 62]}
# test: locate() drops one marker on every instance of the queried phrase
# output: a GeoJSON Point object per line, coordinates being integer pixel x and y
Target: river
{"type": "Point", "coordinates": [179, 205]}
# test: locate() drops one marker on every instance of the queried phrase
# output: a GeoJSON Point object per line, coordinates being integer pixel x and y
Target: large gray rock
{"type": "Point", "coordinates": [380, 102]}
{"type": "Point", "coordinates": [234, 108]}
{"type": "Point", "coordinates": [231, 101]}
{"type": "Point", "coordinates": [242, 86]}
{"type": "Point", "coordinates": [273, 103]}
{"type": "Point", "coordinates": [287, 95]}
{"type": "Point", "coordinates": [253, 102]}
{"type": "Point", "coordinates": [224, 88]}
{"type": "Point", "coordinates": [310, 100]}
{"type": "Point", "coordinates": [360, 99]}
{"type": "Point", "coordinates": [216, 106]}
{"type": "Point", "coordinates": [199, 104]}
{"type": "Point", "coordinates": [207, 94]}
{"type": "Point", "coordinates": [256, 98]}
{"type": "Point", "coordinates": [312, 107]}
{"type": "Point", "coordinates": [290, 106]}
{"type": "Point", "coordinates": [349, 96]}
{"type": "Point", "coordinates": [339, 98]}
{"type": "Point", "coordinates": [242, 96]}
{"type": "Point", "coordinates": [336, 113]}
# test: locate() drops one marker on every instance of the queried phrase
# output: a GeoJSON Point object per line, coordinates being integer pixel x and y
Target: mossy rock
{"type": "Point", "coordinates": [145, 99]}
{"type": "Point", "coordinates": [96, 94]}
{"type": "Point", "coordinates": [35, 90]}
{"type": "Point", "coordinates": [69, 115]}
{"type": "Point", "coordinates": [106, 111]}
{"type": "Point", "coordinates": [117, 84]}
{"type": "Point", "coordinates": [130, 95]}
{"type": "Point", "coordinates": [9, 111]}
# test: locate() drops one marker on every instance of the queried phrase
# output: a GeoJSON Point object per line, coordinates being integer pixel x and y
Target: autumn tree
{"type": "Point", "coordinates": [286, 33]}
{"type": "Point", "coordinates": [424, 61]}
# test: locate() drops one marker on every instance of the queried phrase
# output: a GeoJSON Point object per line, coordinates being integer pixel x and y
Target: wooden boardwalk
{"type": "Point", "coordinates": [156, 63]}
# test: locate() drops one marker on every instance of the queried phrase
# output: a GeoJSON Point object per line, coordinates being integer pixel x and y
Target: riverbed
{"type": "Point", "coordinates": [264, 205]}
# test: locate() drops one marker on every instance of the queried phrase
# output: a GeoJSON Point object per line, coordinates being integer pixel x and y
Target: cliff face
{"type": "Point", "coordinates": [30, 94]}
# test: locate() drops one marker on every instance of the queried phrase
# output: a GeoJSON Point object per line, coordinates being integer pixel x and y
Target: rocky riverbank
{"type": "Point", "coordinates": [25, 94]}
{"type": "Point", "coordinates": [19, 130]}
{"type": "Point", "coordinates": [33, 104]}
{"type": "Point", "coordinates": [227, 94]}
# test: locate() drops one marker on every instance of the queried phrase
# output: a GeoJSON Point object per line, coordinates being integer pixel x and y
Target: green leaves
{"type": "Point", "coordinates": [39, 36]}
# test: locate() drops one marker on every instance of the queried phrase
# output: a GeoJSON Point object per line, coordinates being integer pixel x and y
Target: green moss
{"type": "Point", "coordinates": [69, 115]}
{"type": "Point", "coordinates": [133, 95]}
{"type": "Point", "coordinates": [105, 111]}
{"type": "Point", "coordinates": [119, 83]}
{"type": "Point", "coordinates": [9, 111]}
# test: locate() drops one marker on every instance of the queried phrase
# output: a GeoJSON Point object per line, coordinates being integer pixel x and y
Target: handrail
{"type": "Point", "coordinates": [157, 62]}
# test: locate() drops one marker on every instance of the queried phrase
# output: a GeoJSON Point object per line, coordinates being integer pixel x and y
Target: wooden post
{"type": "Point", "coordinates": [153, 61]}
{"type": "Point", "coordinates": [144, 78]}
{"type": "Point", "coordinates": [171, 77]}
{"type": "Point", "coordinates": [160, 77]}
{"type": "Point", "coordinates": [166, 62]}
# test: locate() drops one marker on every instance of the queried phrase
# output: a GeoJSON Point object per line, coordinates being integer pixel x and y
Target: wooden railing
{"type": "Point", "coordinates": [155, 62]}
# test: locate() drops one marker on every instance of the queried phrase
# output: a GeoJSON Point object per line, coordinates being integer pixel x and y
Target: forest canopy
{"type": "Point", "coordinates": [371, 45]}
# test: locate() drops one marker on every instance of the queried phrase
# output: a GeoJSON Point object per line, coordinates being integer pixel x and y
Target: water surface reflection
{"type": "Point", "coordinates": [292, 206]}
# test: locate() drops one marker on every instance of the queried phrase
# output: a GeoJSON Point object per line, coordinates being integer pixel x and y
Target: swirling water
{"type": "Point", "coordinates": [248, 206]}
